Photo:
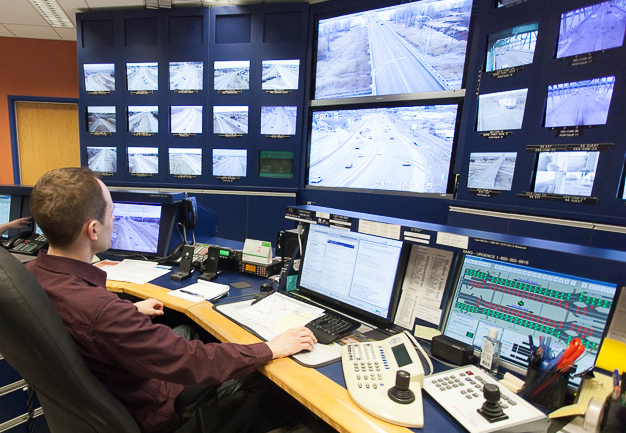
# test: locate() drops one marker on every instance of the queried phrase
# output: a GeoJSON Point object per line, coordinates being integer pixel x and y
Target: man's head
{"type": "Point", "coordinates": [64, 200]}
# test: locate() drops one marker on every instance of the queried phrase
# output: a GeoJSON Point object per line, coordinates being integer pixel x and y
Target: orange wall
{"type": "Point", "coordinates": [32, 67]}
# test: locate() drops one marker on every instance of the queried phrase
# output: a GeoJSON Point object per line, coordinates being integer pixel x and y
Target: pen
{"type": "Point", "coordinates": [219, 297]}
{"type": "Point", "coordinates": [616, 393]}
{"type": "Point", "coordinates": [187, 292]}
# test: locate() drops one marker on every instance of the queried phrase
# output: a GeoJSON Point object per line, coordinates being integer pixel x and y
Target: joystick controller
{"type": "Point", "coordinates": [491, 409]}
{"type": "Point", "coordinates": [401, 393]}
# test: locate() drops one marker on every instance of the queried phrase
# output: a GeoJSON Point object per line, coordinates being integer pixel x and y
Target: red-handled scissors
{"type": "Point", "coordinates": [574, 349]}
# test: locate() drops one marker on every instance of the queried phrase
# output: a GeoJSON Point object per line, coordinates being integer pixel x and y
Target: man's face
{"type": "Point", "coordinates": [104, 240]}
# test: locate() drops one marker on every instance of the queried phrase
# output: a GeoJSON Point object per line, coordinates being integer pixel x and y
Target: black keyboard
{"type": "Point", "coordinates": [329, 327]}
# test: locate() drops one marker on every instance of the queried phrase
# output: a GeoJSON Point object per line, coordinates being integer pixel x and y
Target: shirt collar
{"type": "Point", "coordinates": [65, 265]}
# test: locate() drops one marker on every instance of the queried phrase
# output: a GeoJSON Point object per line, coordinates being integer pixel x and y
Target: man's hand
{"type": "Point", "coordinates": [150, 307]}
{"type": "Point", "coordinates": [292, 341]}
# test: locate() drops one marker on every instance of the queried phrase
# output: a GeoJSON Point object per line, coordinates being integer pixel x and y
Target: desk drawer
{"type": "Point", "coordinates": [7, 374]}
{"type": "Point", "coordinates": [13, 401]}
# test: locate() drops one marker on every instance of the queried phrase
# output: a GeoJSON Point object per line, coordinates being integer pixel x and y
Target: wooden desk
{"type": "Point", "coordinates": [324, 397]}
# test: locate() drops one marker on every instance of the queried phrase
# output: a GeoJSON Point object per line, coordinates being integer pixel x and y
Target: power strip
{"type": "Point", "coordinates": [459, 391]}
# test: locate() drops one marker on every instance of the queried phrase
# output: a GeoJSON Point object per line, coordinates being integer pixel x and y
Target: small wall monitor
{"type": "Point", "coordinates": [579, 103]}
{"type": "Point", "coordinates": [512, 47]}
{"type": "Point", "coordinates": [143, 119]}
{"type": "Point", "coordinates": [278, 120]}
{"type": "Point", "coordinates": [280, 74]}
{"type": "Point", "coordinates": [231, 75]}
{"type": "Point", "coordinates": [102, 159]}
{"type": "Point", "coordinates": [101, 119]}
{"type": "Point", "coordinates": [230, 119]}
{"type": "Point", "coordinates": [566, 173]}
{"type": "Point", "coordinates": [491, 170]}
{"type": "Point", "coordinates": [409, 48]}
{"type": "Point", "coordinates": [405, 149]}
{"type": "Point", "coordinates": [521, 301]}
{"type": "Point", "coordinates": [230, 162]}
{"type": "Point", "coordinates": [186, 76]}
{"type": "Point", "coordinates": [99, 77]}
{"type": "Point", "coordinates": [136, 227]}
{"type": "Point", "coordinates": [592, 28]}
{"type": "Point", "coordinates": [142, 76]}
{"type": "Point", "coordinates": [276, 163]}
{"type": "Point", "coordinates": [185, 162]}
{"type": "Point", "coordinates": [5, 211]}
{"type": "Point", "coordinates": [501, 110]}
{"type": "Point", "coordinates": [502, 3]}
{"type": "Point", "coordinates": [143, 160]}
{"type": "Point", "coordinates": [186, 119]}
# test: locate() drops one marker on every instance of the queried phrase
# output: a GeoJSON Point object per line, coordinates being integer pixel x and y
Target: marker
{"type": "Point", "coordinates": [616, 393]}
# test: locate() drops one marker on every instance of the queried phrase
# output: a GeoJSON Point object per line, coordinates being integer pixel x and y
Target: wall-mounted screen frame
{"type": "Point", "coordinates": [102, 159]}
{"type": "Point", "coordinates": [143, 160]}
{"type": "Point", "coordinates": [99, 77]}
{"type": "Point", "coordinates": [230, 162]}
{"type": "Point", "coordinates": [566, 173]}
{"type": "Point", "coordinates": [142, 77]}
{"type": "Point", "coordinates": [143, 119]}
{"type": "Point", "coordinates": [491, 170]}
{"type": "Point", "coordinates": [186, 76]}
{"type": "Point", "coordinates": [512, 47]}
{"type": "Point", "coordinates": [185, 161]}
{"type": "Point", "coordinates": [501, 110]}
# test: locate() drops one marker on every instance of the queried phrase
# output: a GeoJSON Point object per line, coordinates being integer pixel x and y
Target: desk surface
{"type": "Point", "coordinates": [320, 390]}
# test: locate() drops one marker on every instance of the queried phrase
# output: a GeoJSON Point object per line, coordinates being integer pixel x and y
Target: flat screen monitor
{"type": "Point", "coordinates": [142, 76]}
{"type": "Point", "coordinates": [579, 103]}
{"type": "Point", "coordinates": [102, 159]}
{"type": "Point", "coordinates": [280, 74]}
{"type": "Point", "coordinates": [278, 120]}
{"type": "Point", "coordinates": [491, 170]}
{"type": "Point", "coordinates": [501, 110]}
{"type": "Point", "coordinates": [101, 119]}
{"type": "Point", "coordinates": [521, 301]}
{"type": "Point", "coordinates": [230, 119]}
{"type": "Point", "coordinates": [136, 227]}
{"type": "Point", "coordinates": [143, 160]}
{"type": "Point", "coordinates": [5, 212]}
{"type": "Point", "coordinates": [503, 3]}
{"type": "Point", "coordinates": [231, 75]}
{"type": "Point", "coordinates": [566, 173]}
{"type": "Point", "coordinates": [403, 149]}
{"type": "Point", "coordinates": [99, 77]}
{"type": "Point", "coordinates": [591, 28]}
{"type": "Point", "coordinates": [185, 161]}
{"type": "Point", "coordinates": [143, 119]}
{"type": "Point", "coordinates": [354, 272]}
{"type": "Point", "coordinates": [512, 47]}
{"type": "Point", "coordinates": [186, 76]}
{"type": "Point", "coordinates": [186, 119]}
{"type": "Point", "coordinates": [413, 47]}
{"type": "Point", "coordinates": [276, 164]}
{"type": "Point", "coordinates": [230, 162]}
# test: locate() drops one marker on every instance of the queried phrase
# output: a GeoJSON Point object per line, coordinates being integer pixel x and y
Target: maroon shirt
{"type": "Point", "coordinates": [143, 364]}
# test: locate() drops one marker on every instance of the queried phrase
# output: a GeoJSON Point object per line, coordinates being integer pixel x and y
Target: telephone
{"type": "Point", "coordinates": [385, 378]}
{"type": "Point", "coordinates": [189, 213]}
{"type": "Point", "coordinates": [26, 242]}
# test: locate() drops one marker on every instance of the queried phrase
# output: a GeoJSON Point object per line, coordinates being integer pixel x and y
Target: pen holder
{"type": "Point", "coordinates": [546, 388]}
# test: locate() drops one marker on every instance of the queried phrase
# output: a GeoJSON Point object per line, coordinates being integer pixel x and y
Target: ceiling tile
{"type": "Point", "coordinates": [66, 34]}
{"type": "Point", "coordinates": [32, 32]}
{"type": "Point", "coordinates": [20, 12]}
{"type": "Point", "coordinates": [4, 32]}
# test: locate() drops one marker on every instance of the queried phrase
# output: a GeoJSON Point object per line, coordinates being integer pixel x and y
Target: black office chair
{"type": "Point", "coordinates": [34, 341]}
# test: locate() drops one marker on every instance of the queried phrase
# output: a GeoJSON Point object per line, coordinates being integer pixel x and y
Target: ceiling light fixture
{"type": "Point", "coordinates": [156, 4]}
{"type": "Point", "coordinates": [52, 13]}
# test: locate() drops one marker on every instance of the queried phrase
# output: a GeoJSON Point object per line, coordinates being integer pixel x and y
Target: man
{"type": "Point", "coordinates": [144, 365]}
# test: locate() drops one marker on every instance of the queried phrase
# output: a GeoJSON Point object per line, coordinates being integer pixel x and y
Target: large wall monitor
{"type": "Point", "coordinates": [520, 302]}
{"type": "Point", "coordinates": [409, 48]}
{"type": "Point", "coordinates": [142, 77]}
{"type": "Point", "coordinates": [404, 149]}
{"type": "Point", "coordinates": [566, 173]}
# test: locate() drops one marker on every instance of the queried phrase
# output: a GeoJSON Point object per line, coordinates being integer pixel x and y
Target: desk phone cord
{"type": "Point", "coordinates": [421, 349]}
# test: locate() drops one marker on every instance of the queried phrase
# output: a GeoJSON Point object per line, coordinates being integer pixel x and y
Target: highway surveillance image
{"type": "Point", "coordinates": [280, 74]}
{"type": "Point", "coordinates": [512, 47]}
{"type": "Point", "coordinates": [231, 75]}
{"type": "Point", "coordinates": [143, 160]}
{"type": "Point", "coordinates": [278, 120]}
{"type": "Point", "coordinates": [404, 149]}
{"type": "Point", "coordinates": [566, 173]}
{"type": "Point", "coordinates": [99, 77]}
{"type": "Point", "coordinates": [186, 119]}
{"type": "Point", "coordinates": [101, 119]}
{"type": "Point", "coordinates": [579, 103]}
{"type": "Point", "coordinates": [230, 119]}
{"type": "Point", "coordinates": [102, 159]}
{"type": "Point", "coordinates": [501, 111]}
{"type": "Point", "coordinates": [185, 162]}
{"type": "Point", "coordinates": [230, 162]}
{"type": "Point", "coordinates": [493, 170]}
{"type": "Point", "coordinates": [186, 75]}
{"type": "Point", "coordinates": [142, 76]}
{"type": "Point", "coordinates": [135, 227]}
{"type": "Point", "coordinates": [143, 119]}
{"type": "Point", "coordinates": [592, 28]}
{"type": "Point", "coordinates": [416, 47]}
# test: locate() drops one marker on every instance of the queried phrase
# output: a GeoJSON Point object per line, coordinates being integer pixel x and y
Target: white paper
{"type": "Point", "coordinates": [200, 291]}
{"type": "Point", "coordinates": [259, 252]}
{"type": "Point", "coordinates": [135, 271]}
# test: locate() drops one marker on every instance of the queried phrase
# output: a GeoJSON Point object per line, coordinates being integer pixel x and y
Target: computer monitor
{"type": "Point", "coordinates": [102, 159]}
{"type": "Point", "coordinates": [231, 75]}
{"type": "Point", "coordinates": [230, 119]}
{"type": "Point", "coordinates": [356, 273]}
{"type": "Point", "coordinates": [5, 211]}
{"type": "Point", "coordinates": [186, 119]}
{"type": "Point", "coordinates": [142, 77]}
{"type": "Point", "coordinates": [512, 47]}
{"type": "Point", "coordinates": [579, 103]}
{"type": "Point", "coordinates": [186, 76]}
{"type": "Point", "coordinates": [143, 119]}
{"type": "Point", "coordinates": [501, 110]}
{"type": "Point", "coordinates": [99, 77]}
{"type": "Point", "coordinates": [521, 301]}
{"type": "Point", "coordinates": [566, 173]}
{"type": "Point", "coordinates": [280, 74]}
{"type": "Point", "coordinates": [491, 170]}
{"type": "Point", "coordinates": [136, 227]}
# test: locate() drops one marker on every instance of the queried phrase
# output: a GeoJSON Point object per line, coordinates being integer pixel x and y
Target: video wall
{"type": "Point", "coordinates": [200, 97]}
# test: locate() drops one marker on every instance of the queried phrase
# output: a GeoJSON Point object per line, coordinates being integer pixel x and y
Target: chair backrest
{"type": "Point", "coordinates": [34, 341]}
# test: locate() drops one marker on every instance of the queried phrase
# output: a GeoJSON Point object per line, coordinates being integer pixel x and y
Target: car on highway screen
{"type": "Point", "coordinates": [142, 76]}
{"type": "Point", "coordinates": [408, 48]}
{"type": "Point", "coordinates": [406, 149]}
{"type": "Point", "coordinates": [501, 110]}
{"type": "Point", "coordinates": [230, 119]}
{"type": "Point", "coordinates": [135, 227]}
{"type": "Point", "coordinates": [186, 76]}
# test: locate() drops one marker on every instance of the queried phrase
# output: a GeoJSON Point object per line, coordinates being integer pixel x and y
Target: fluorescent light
{"type": "Point", "coordinates": [52, 12]}
{"type": "Point", "coordinates": [156, 4]}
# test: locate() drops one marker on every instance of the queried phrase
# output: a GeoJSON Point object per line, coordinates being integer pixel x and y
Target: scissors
{"type": "Point", "coordinates": [574, 349]}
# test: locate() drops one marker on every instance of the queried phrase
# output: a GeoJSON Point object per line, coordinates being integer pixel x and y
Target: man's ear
{"type": "Point", "coordinates": [92, 230]}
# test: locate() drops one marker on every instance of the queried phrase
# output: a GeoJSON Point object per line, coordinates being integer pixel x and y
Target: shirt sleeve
{"type": "Point", "coordinates": [129, 339]}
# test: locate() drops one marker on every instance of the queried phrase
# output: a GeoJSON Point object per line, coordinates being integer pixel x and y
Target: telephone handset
{"type": "Point", "coordinates": [26, 242]}
{"type": "Point", "coordinates": [385, 378]}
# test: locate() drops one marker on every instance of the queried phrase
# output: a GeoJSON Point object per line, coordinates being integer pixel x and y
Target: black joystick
{"type": "Point", "coordinates": [491, 409]}
{"type": "Point", "coordinates": [401, 392]}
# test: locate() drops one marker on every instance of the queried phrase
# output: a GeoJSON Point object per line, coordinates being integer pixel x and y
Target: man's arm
{"type": "Point", "coordinates": [291, 342]}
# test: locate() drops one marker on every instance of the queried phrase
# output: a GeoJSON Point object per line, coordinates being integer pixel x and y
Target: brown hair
{"type": "Point", "coordinates": [63, 200]}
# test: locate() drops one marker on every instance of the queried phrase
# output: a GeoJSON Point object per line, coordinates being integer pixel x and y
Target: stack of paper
{"type": "Point", "coordinates": [134, 271]}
